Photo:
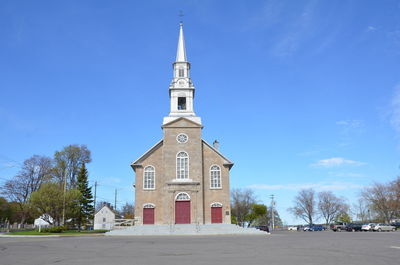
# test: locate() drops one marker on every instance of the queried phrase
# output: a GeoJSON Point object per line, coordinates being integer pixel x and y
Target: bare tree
{"type": "Point", "coordinates": [330, 206]}
{"type": "Point", "coordinates": [382, 200]}
{"type": "Point", "coordinates": [361, 210]}
{"type": "Point", "coordinates": [101, 204]}
{"type": "Point", "coordinates": [395, 190]}
{"type": "Point", "coordinates": [34, 172]}
{"type": "Point", "coordinates": [241, 204]}
{"type": "Point", "coordinates": [128, 211]}
{"type": "Point", "coordinates": [68, 163]}
{"type": "Point", "coordinates": [305, 205]}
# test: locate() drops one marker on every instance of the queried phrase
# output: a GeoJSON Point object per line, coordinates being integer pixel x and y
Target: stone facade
{"type": "Point", "coordinates": [171, 178]}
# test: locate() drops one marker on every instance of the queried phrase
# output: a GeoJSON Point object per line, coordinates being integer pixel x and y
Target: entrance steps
{"type": "Point", "coordinates": [185, 229]}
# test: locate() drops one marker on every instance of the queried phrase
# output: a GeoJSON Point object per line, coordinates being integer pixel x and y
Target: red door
{"type": "Point", "coordinates": [216, 215]}
{"type": "Point", "coordinates": [182, 212]}
{"type": "Point", "coordinates": [148, 216]}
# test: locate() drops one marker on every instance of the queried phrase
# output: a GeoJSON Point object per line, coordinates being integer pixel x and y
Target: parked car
{"type": "Point", "coordinates": [338, 227]}
{"type": "Point", "coordinates": [317, 228]}
{"type": "Point", "coordinates": [262, 228]}
{"type": "Point", "coordinates": [396, 224]}
{"type": "Point", "coordinates": [368, 227]}
{"type": "Point", "coordinates": [384, 227]}
{"type": "Point", "coordinates": [353, 227]}
{"type": "Point", "coordinates": [313, 228]}
{"type": "Point", "coordinates": [292, 228]}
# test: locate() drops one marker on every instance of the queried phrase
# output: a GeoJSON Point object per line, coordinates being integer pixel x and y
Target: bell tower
{"type": "Point", "coordinates": [181, 89]}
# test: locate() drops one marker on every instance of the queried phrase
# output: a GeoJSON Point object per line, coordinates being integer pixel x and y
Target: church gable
{"type": "Point", "coordinates": [182, 122]}
{"type": "Point", "coordinates": [148, 153]}
{"type": "Point", "coordinates": [226, 162]}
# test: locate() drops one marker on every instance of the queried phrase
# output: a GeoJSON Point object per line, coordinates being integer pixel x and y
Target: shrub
{"type": "Point", "coordinates": [54, 229]}
{"type": "Point", "coordinates": [100, 231]}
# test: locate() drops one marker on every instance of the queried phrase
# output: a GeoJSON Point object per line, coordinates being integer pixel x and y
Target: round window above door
{"type": "Point", "coordinates": [182, 138]}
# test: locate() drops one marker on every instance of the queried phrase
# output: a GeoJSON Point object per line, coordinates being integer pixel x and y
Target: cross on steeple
{"type": "Point", "coordinates": [181, 15]}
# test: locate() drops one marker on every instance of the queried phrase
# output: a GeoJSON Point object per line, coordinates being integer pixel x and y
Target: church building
{"type": "Point", "coordinates": [182, 179]}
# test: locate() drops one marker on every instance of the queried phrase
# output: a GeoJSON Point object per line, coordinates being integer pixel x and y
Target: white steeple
{"type": "Point", "coordinates": [181, 51]}
{"type": "Point", "coordinates": [181, 89]}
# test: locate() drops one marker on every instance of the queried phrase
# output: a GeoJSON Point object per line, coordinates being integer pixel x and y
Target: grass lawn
{"type": "Point", "coordinates": [67, 232]}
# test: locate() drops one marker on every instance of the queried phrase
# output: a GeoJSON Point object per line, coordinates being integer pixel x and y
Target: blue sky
{"type": "Point", "coordinates": [299, 93]}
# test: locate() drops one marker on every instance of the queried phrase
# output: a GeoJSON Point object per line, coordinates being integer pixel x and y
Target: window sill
{"type": "Point", "coordinates": [182, 180]}
{"type": "Point", "coordinates": [216, 188]}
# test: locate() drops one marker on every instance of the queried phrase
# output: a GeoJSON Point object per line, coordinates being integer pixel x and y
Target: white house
{"type": "Point", "coordinates": [43, 221]}
{"type": "Point", "coordinates": [104, 218]}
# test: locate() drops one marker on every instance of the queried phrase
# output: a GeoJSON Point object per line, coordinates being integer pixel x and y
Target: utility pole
{"type": "Point", "coordinates": [115, 201]}
{"type": "Point", "coordinates": [95, 192]}
{"type": "Point", "coordinates": [65, 191]}
{"type": "Point", "coordinates": [272, 211]}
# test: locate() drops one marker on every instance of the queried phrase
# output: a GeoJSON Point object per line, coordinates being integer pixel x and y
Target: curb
{"type": "Point", "coordinates": [41, 236]}
{"type": "Point", "coordinates": [33, 236]}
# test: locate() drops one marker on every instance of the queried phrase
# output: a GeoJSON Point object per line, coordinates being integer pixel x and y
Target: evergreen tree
{"type": "Point", "coordinates": [86, 208]}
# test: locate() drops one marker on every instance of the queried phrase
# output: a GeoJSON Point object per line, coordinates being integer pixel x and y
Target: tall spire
{"type": "Point", "coordinates": [181, 52]}
{"type": "Point", "coordinates": [181, 89]}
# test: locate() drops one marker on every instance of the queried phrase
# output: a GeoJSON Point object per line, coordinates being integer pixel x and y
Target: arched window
{"type": "Point", "coordinates": [182, 165]}
{"type": "Point", "coordinates": [149, 178]}
{"type": "Point", "coordinates": [183, 196]}
{"type": "Point", "coordinates": [215, 177]}
{"type": "Point", "coordinates": [216, 204]}
{"type": "Point", "coordinates": [181, 72]}
{"type": "Point", "coordinates": [149, 206]}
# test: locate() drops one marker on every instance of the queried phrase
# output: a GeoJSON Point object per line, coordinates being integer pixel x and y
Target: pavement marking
{"type": "Point", "coordinates": [395, 247]}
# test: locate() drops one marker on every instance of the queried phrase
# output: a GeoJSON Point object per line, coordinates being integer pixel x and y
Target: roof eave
{"type": "Point", "coordinates": [228, 162]}
{"type": "Point", "coordinates": [137, 163]}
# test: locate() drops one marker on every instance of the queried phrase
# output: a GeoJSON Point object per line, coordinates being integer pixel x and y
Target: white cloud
{"type": "Point", "coordinates": [353, 124]}
{"type": "Point", "coordinates": [299, 29]}
{"type": "Point", "coordinates": [9, 165]}
{"type": "Point", "coordinates": [347, 174]}
{"type": "Point", "coordinates": [335, 162]}
{"type": "Point", "coordinates": [395, 109]}
{"type": "Point", "coordinates": [316, 186]}
{"type": "Point", "coordinates": [370, 29]}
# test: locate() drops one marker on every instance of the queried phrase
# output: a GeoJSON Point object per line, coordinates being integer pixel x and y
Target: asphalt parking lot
{"type": "Point", "coordinates": [281, 248]}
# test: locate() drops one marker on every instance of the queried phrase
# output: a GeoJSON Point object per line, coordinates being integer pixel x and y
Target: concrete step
{"type": "Point", "coordinates": [183, 229]}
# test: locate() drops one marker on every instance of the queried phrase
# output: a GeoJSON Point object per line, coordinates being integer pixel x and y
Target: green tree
{"type": "Point", "coordinates": [257, 211]}
{"type": "Point", "coordinates": [344, 217]}
{"type": "Point", "coordinates": [48, 200]}
{"type": "Point", "coordinates": [233, 220]}
{"type": "Point", "coordinates": [277, 219]}
{"type": "Point", "coordinates": [5, 210]}
{"type": "Point", "coordinates": [68, 162]}
{"type": "Point", "coordinates": [86, 201]}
